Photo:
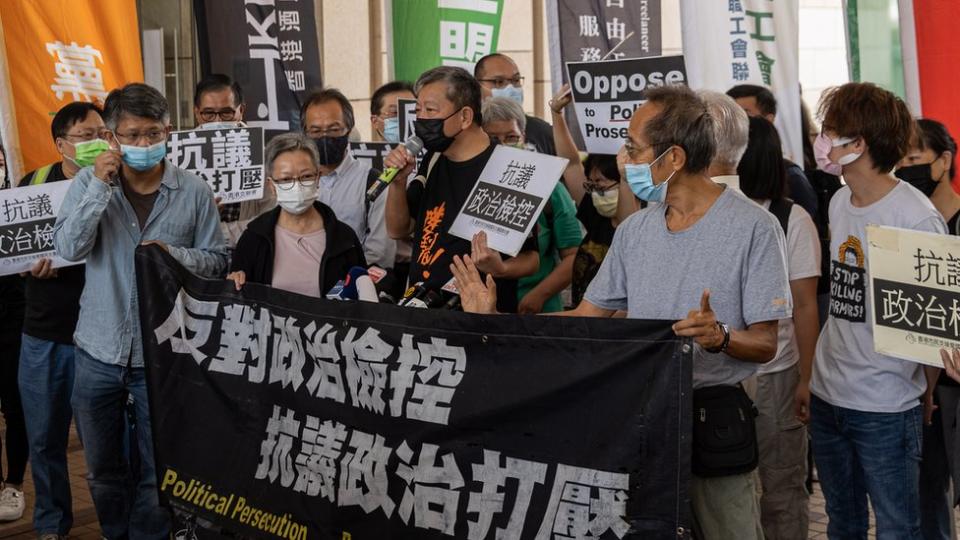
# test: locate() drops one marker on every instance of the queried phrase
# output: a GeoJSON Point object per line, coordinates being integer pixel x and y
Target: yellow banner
{"type": "Point", "coordinates": [59, 51]}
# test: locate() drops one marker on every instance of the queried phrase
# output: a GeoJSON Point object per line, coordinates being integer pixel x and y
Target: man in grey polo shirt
{"type": "Point", "coordinates": [701, 254]}
{"type": "Point", "coordinates": [328, 119]}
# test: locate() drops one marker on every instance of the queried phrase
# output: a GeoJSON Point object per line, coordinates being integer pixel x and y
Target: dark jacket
{"type": "Point", "coordinates": [255, 249]}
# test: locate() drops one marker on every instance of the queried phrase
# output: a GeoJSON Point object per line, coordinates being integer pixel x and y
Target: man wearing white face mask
{"type": "Point", "coordinates": [499, 76]}
{"type": "Point", "coordinates": [301, 246]}
{"type": "Point", "coordinates": [218, 103]}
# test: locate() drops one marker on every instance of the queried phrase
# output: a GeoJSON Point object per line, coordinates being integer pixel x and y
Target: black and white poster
{"type": "Point", "coordinates": [277, 415]}
{"type": "Point", "coordinates": [27, 217]}
{"type": "Point", "coordinates": [229, 160]}
{"type": "Point", "coordinates": [371, 152]}
{"type": "Point", "coordinates": [270, 48]}
{"type": "Point", "coordinates": [588, 30]}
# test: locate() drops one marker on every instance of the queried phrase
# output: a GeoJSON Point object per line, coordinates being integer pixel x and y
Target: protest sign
{"type": "Point", "coordinates": [512, 190]}
{"type": "Point", "coordinates": [229, 160]}
{"type": "Point", "coordinates": [605, 94]}
{"type": "Point", "coordinates": [27, 217]}
{"type": "Point", "coordinates": [316, 419]}
{"type": "Point", "coordinates": [371, 152]}
{"type": "Point", "coordinates": [915, 293]}
{"type": "Point", "coordinates": [406, 114]}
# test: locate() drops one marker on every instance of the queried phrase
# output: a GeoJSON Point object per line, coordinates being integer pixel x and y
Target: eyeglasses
{"type": "Point", "coordinates": [316, 133]}
{"type": "Point", "coordinates": [134, 137]}
{"type": "Point", "coordinates": [211, 115]}
{"type": "Point", "coordinates": [594, 187]}
{"type": "Point", "coordinates": [634, 151]}
{"type": "Point", "coordinates": [307, 180]}
{"type": "Point", "coordinates": [500, 82]}
{"type": "Point", "coordinates": [84, 136]}
{"type": "Point", "coordinates": [509, 139]}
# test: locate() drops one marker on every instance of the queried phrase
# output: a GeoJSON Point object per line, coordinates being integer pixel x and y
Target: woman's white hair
{"type": "Point", "coordinates": [731, 127]}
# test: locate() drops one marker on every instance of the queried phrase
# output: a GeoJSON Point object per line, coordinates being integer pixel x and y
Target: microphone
{"type": "Point", "coordinates": [366, 289]}
{"type": "Point", "coordinates": [419, 296]}
{"type": "Point", "coordinates": [413, 146]}
{"type": "Point", "coordinates": [348, 288]}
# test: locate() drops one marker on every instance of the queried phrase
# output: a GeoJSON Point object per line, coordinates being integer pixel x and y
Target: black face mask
{"type": "Point", "coordinates": [918, 176]}
{"type": "Point", "coordinates": [430, 131]}
{"type": "Point", "coordinates": [332, 149]}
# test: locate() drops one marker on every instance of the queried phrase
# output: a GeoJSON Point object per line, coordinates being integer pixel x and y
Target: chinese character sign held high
{"type": "Point", "coordinates": [229, 160]}
{"type": "Point", "coordinates": [27, 216]}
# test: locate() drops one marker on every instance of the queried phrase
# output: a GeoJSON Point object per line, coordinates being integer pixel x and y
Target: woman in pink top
{"type": "Point", "coordinates": [300, 246]}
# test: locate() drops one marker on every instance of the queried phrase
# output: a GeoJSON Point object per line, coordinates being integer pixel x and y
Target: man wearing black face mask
{"type": "Point", "coordinates": [449, 124]}
{"type": "Point", "coordinates": [328, 119]}
{"type": "Point", "coordinates": [929, 166]}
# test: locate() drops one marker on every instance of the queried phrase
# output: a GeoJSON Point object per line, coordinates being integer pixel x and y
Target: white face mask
{"type": "Point", "coordinates": [298, 199]}
{"type": "Point", "coordinates": [606, 203]}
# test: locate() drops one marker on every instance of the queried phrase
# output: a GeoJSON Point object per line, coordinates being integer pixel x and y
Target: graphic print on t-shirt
{"type": "Point", "coordinates": [848, 282]}
{"type": "Point", "coordinates": [428, 240]}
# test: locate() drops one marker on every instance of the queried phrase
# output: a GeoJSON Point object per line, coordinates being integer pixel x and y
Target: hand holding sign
{"type": "Point", "coordinates": [488, 261]}
{"type": "Point", "coordinates": [701, 325]}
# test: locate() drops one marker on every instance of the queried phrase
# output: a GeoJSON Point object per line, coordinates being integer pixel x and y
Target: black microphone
{"type": "Point", "coordinates": [413, 145]}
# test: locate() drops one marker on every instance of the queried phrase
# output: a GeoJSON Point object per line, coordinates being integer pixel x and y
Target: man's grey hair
{"type": "Point", "coordinates": [501, 109]}
{"type": "Point", "coordinates": [462, 89]}
{"type": "Point", "coordinates": [135, 99]}
{"type": "Point", "coordinates": [731, 127]}
{"type": "Point", "coordinates": [289, 142]}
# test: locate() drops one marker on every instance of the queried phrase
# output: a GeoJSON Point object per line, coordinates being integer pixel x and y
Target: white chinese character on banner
{"type": "Point", "coordinates": [590, 54]}
{"type": "Point", "coordinates": [77, 72]}
{"type": "Point", "coordinates": [573, 511]}
{"type": "Point", "coordinates": [589, 27]}
{"type": "Point", "coordinates": [366, 368]}
{"type": "Point", "coordinates": [291, 49]}
{"type": "Point", "coordinates": [482, 6]}
{"type": "Point", "coordinates": [462, 44]}
{"type": "Point", "coordinates": [288, 356]}
{"type": "Point", "coordinates": [186, 151]}
{"type": "Point", "coordinates": [231, 149]}
{"type": "Point", "coordinates": [185, 320]}
{"type": "Point", "coordinates": [275, 450]}
{"type": "Point", "coordinates": [365, 465]}
{"type": "Point", "coordinates": [432, 371]}
{"type": "Point", "coordinates": [43, 236]}
{"type": "Point", "coordinates": [615, 3]}
{"type": "Point", "coordinates": [326, 381]}
{"type": "Point", "coordinates": [616, 30]}
{"type": "Point", "coordinates": [244, 340]}
{"type": "Point", "coordinates": [317, 462]}
{"type": "Point", "coordinates": [289, 20]}
{"type": "Point", "coordinates": [296, 80]}
{"type": "Point", "coordinates": [489, 502]}
{"type": "Point", "coordinates": [433, 506]}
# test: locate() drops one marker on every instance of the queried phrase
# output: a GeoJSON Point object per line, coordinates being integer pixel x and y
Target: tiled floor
{"type": "Point", "coordinates": [85, 520]}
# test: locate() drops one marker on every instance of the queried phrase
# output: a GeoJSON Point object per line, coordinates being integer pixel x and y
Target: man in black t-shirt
{"type": "Point", "coordinates": [449, 124]}
{"type": "Point", "coordinates": [47, 352]}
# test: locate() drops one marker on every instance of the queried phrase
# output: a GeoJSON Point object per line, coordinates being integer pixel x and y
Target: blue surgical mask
{"type": "Point", "coordinates": [143, 158]}
{"type": "Point", "coordinates": [510, 91]}
{"type": "Point", "coordinates": [391, 130]}
{"type": "Point", "coordinates": [640, 178]}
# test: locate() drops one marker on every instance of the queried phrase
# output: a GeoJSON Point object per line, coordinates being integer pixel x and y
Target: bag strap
{"type": "Point", "coordinates": [40, 175]}
{"type": "Point", "coordinates": [781, 209]}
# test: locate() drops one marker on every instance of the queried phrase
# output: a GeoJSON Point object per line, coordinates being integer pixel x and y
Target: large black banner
{"type": "Point", "coordinates": [270, 48]}
{"type": "Point", "coordinates": [276, 415]}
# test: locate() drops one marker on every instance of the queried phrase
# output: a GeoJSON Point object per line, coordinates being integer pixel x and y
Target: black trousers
{"type": "Point", "coordinates": [12, 409]}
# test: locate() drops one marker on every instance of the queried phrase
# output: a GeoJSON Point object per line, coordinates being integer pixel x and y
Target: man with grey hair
{"type": "Point", "coordinates": [731, 130]}
{"type": "Point", "coordinates": [449, 124]}
{"type": "Point", "coordinates": [130, 197]}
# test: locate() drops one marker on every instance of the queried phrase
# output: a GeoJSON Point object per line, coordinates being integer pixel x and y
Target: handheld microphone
{"type": "Point", "coordinates": [413, 146]}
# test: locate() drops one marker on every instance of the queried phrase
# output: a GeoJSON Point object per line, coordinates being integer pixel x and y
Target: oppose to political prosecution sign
{"type": "Point", "coordinates": [506, 201]}
{"type": "Point", "coordinates": [915, 293]}
{"type": "Point", "coordinates": [605, 94]}
{"type": "Point", "coordinates": [27, 217]}
{"type": "Point", "coordinates": [281, 416]}
{"type": "Point", "coordinates": [229, 160]}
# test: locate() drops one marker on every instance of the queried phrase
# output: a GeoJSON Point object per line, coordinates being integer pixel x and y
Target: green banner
{"type": "Point", "coordinates": [429, 33]}
{"type": "Point", "coordinates": [873, 32]}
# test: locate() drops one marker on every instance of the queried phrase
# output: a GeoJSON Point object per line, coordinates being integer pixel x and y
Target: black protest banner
{"type": "Point", "coordinates": [269, 48]}
{"type": "Point", "coordinates": [588, 30]}
{"type": "Point", "coordinates": [605, 94]}
{"type": "Point", "coordinates": [371, 152]}
{"type": "Point", "coordinates": [276, 415]}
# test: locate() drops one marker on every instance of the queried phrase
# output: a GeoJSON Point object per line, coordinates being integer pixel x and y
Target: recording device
{"type": "Point", "coordinates": [419, 296]}
{"type": "Point", "coordinates": [357, 285]}
{"type": "Point", "coordinates": [413, 145]}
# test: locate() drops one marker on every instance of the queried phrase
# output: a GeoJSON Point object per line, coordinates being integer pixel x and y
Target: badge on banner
{"type": "Point", "coordinates": [914, 293]}
{"type": "Point", "coordinates": [27, 217]}
{"type": "Point", "coordinates": [505, 203]}
{"type": "Point", "coordinates": [229, 160]}
{"type": "Point", "coordinates": [605, 94]}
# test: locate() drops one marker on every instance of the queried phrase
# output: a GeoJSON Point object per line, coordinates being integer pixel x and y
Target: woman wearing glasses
{"type": "Point", "coordinates": [300, 246]}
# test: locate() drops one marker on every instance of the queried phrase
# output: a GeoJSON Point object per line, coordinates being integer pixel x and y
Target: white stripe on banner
{"type": "Point", "coordinates": [9, 136]}
{"type": "Point", "coordinates": [726, 43]}
{"type": "Point", "coordinates": [911, 66]}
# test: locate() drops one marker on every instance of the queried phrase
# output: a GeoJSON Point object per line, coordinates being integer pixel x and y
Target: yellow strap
{"type": "Point", "coordinates": [40, 176]}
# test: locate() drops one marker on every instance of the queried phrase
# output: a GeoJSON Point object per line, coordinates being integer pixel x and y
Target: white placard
{"type": "Point", "coordinates": [914, 292]}
{"type": "Point", "coordinates": [508, 197]}
{"type": "Point", "coordinates": [27, 217]}
{"type": "Point", "coordinates": [229, 160]}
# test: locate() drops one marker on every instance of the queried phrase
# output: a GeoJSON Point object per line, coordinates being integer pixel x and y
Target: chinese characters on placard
{"type": "Point", "coordinates": [77, 73]}
{"type": "Point", "coordinates": [613, 31]}
{"type": "Point", "coordinates": [757, 26]}
{"type": "Point", "coordinates": [229, 160]}
{"type": "Point", "coordinates": [924, 307]}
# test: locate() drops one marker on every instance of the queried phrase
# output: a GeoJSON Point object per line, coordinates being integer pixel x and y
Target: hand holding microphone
{"type": "Point", "coordinates": [399, 162]}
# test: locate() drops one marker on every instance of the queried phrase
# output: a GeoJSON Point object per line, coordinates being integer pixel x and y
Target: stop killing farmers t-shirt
{"type": "Point", "coordinates": [847, 371]}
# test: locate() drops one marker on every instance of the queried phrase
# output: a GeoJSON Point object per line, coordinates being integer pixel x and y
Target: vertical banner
{"type": "Point", "coordinates": [58, 52]}
{"type": "Point", "coordinates": [587, 30]}
{"type": "Point", "coordinates": [270, 48]}
{"type": "Point", "coordinates": [429, 33]}
{"type": "Point", "coordinates": [748, 42]}
{"type": "Point", "coordinates": [276, 415]}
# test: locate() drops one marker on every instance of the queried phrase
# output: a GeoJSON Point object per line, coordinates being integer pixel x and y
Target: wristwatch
{"type": "Point", "coordinates": [726, 339]}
